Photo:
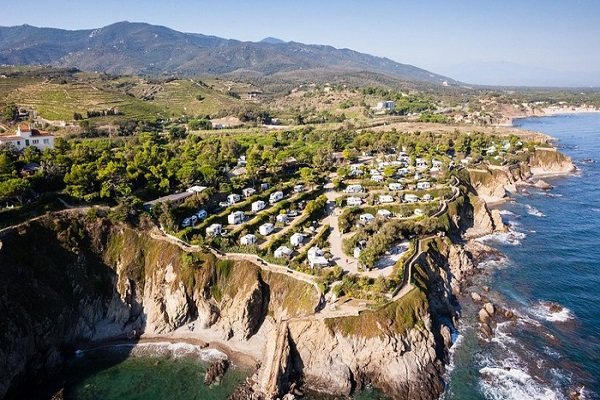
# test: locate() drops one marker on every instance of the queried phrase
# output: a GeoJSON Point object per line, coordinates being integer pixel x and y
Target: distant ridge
{"type": "Point", "coordinates": [140, 48]}
{"type": "Point", "coordinates": [272, 40]}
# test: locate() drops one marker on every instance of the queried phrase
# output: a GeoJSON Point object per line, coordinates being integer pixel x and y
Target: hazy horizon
{"type": "Point", "coordinates": [514, 43]}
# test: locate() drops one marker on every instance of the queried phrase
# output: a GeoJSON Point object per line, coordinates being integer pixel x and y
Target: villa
{"type": "Point", "coordinates": [26, 137]}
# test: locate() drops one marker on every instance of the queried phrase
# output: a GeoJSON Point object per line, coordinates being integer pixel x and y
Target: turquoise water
{"type": "Point", "coordinates": [552, 256]}
{"type": "Point", "coordinates": [111, 374]}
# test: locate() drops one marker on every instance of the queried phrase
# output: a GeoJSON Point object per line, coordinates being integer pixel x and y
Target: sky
{"type": "Point", "coordinates": [531, 42]}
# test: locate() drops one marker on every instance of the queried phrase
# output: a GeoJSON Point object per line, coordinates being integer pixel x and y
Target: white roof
{"type": "Point", "coordinates": [196, 189]}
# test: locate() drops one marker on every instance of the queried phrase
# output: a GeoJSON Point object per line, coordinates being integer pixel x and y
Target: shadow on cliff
{"type": "Point", "coordinates": [56, 294]}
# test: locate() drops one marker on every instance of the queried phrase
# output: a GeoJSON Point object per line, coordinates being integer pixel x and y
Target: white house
{"type": "Point", "coordinates": [282, 252]}
{"type": "Point", "coordinates": [283, 218]}
{"type": "Point", "coordinates": [275, 197]}
{"type": "Point", "coordinates": [201, 214]}
{"type": "Point", "coordinates": [383, 213]}
{"type": "Point", "coordinates": [258, 205]}
{"type": "Point", "coordinates": [411, 198]}
{"type": "Point", "coordinates": [423, 185]}
{"type": "Point", "coordinates": [315, 257]}
{"type": "Point", "coordinates": [233, 198]}
{"type": "Point", "coordinates": [388, 105]}
{"type": "Point", "coordinates": [248, 240]}
{"type": "Point", "coordinates": [353, 201]}
{"type": "Point", "coordinates": [214, 230]}
{"type": "Point", "coordinates": [353, 189]}
{"type": "Point", "coordinates": [421, 163]}
{"type": "Point", "coordinates": [266, 229]}
{"type": "Point", "coordinates": [236, 217]}
{"type": "Point", "coordinates": [264, 186]}
{"type": "Point", "coordinates": [296, 239]}
{"type": "Point", "coordinates": [26, 137]}
{"type": "Point", "coordinates": [386, 198]}
{"type": "Point", "coordinates": [396, 186]}
{"type": "Point", "coordinates": [366, 218]}
{"type": "Point", "coordinates": [377, 178]}
{"type": "Point", "coordinates": [248, 192]}
{"type": "Point", "coordinates": [299, 188]}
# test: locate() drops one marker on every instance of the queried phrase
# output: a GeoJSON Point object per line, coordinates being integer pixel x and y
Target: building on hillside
{"type": "Point", "coordinates": [266, 229]}
{"type": "Point", "coordinates": [296, 239]}
{"type": "Point", "coordinates": [423, 185]}
{"type": "Point", "coordinates": [388, 105]}
{"type": "Point", "coordinates": [248, 192]}
{"type": "Point", "coordinates": [26, 137]}
{"type": "Point", "coordinates": [236, 217]}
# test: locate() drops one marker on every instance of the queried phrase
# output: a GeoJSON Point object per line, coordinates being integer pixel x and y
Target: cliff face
{"type": "Point", "coordinates": [493, 183]}
{"type": "Point", "coordinates": [65, 280]}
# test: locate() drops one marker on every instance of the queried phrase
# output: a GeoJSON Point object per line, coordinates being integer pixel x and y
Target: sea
{"type": "Point", "coordinates": [548, 274]}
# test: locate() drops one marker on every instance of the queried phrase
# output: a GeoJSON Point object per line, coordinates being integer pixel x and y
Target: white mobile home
{"type": "Point", "coordinates": [423, 185]}
{"type": "Point", "coordinates": [366, 218]}
{"type": "Point", "coordinates": [353, 201]}
{"type": "Point", "coordinates": [299, 188]}
{"type": "Point", "coordinates": [383, 213]}
{"type": "Point", "coordinates": [353, 189]}
{"type": "Point", "coordinates": [282, 252]}
{"type": "Point", "coordinates": [248, 240]}
{"type": "Point", "coordinates": [248, 192]}
{"type": "Point", "coordinates": [411, 198]}
{"type": "Point", "coordinates": [377, 178]}
{"type": "Point", "coordinates": [283, 218]}
{"type": "Point", "coordinates": [316, 258]}
{"type": "Point", "coordinates": [296, 239]}
{"type": "Point", "coordinates": [266, 229]}
{"type": "Point", "coordinates": [258, 205]}
{"type": "Point", "coordinates": [396, 186]}
{"type": "Point", "coordinates": [236, 217]}
{"type": "Point", "coordinates": [275, 197]}
{"type": "Point", "coordinates": [386, 198]}
{"type": "Point", "coordinates": [214, 230]}
{"type": "Point", "coordinates": [233, 198]}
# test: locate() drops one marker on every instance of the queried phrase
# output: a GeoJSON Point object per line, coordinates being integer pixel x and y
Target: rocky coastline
{"type": "Point", "coordinates": [97, 280]}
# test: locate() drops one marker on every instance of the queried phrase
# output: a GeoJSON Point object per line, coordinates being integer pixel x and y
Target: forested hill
{"type": "Point", "coordinates": [139, 48]}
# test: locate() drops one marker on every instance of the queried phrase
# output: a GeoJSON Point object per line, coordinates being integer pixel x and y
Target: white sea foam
{"type": "Point", "coordinates": [164, 349]}
{"type": "Point", "coordinates": [507, 213]}
{"type": "Point", "coordinates": [534, 211]}
{"type": "Point", "coordinates": [543, 310]}
{"type": "Point", "coordinates": [512, 383]}
{"type": "Point", "coordinates": [502, 336]}
{"type": "Point", "coordinates": [512, 238]}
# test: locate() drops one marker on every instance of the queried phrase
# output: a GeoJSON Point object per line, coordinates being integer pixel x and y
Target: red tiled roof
{"type": "Point", "coordinates": [24, 127]}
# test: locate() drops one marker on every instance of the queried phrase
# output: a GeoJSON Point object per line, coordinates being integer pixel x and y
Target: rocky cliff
{"type": "Point", "coordinates": [493, 183]}
{"type": "Point", "coordinates": [68, 279]}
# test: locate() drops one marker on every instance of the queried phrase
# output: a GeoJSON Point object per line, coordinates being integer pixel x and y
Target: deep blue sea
{"type": "Point", "coordinates": [552, 256]}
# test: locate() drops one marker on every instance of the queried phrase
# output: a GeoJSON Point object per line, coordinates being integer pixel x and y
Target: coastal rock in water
{"type": "Point", "coordinates": [540, 184]}
{"type": "Point", "coordinates": [499, 225]}
{"type": "Point", "coordinates": [215, 372]}
{"type": "Point", "coordinates": [484, 316]}
{"type": "Point", "coordinates": [489, 308]}
{"type": "Point", "coordinates": [476, 297]}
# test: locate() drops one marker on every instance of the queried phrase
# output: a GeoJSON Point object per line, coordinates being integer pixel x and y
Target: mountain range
{"type": "Point", "coordinates": [140, 48]}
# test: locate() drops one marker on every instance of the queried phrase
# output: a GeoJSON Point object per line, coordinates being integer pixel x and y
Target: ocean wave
{"type": "Point", "coordinates": [552, 312]}
{"type": "Point", "coordinates": [534, 211]}
{"type": "Point", "coordinates": [507, 213]}
{"type": "Point", "coordinates": [502, 337]}
{"type": "Point", "coordinates": [511, 238]}
{"type": "Point", "coordinates": [514, 383]}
